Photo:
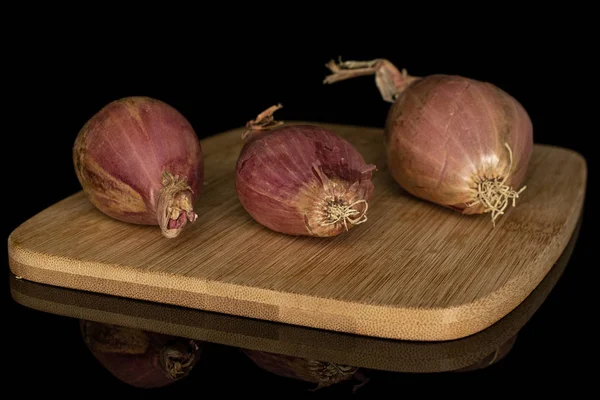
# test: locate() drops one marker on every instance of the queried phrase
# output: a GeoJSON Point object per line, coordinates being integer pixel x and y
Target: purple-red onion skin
{"type": "Point", "coordinates": [277, 183]}
{"type": "Point", "coordinates": [122, 151]}
{"type": "Point", "coordinates": [445, 133]}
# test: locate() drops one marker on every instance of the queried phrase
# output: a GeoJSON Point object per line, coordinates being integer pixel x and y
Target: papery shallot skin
{"type": "Point", "coordinates": [121, 156]}
{"type": "Point", "coordinates": [446, 133]}
{"type": "Point", "coordinates": [286, 178]}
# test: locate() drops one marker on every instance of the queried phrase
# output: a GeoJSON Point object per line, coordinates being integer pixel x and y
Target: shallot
{"type": "Point", "coordinates": [301, 179]}
{"type": "Point", "coordinates": [451, 140]}
{"type": "Point", "coordinates": [140, 161]}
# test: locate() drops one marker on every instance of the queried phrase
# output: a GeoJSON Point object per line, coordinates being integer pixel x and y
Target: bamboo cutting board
{"type": "Point", "coordinates": [414, 271]}
{"type": "Point", "coordinates": [290, 340]}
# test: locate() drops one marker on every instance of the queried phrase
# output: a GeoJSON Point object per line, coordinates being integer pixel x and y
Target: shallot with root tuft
{"type": "Point", "coordinates": [301, 179]}
{"type": "Point", "coordinates": [139, 161]}
{"type": "Point", "coordinates": [454, 141]}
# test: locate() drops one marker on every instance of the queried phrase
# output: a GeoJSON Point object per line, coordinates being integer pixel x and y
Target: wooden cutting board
{"type": "Point", "coordinates": [413, 271]}
{"type": "Point", "coordinates": [290, 340]}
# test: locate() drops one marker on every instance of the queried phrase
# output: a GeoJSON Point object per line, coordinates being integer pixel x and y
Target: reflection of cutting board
{"type": "Point", "coordinates": [414, 270]}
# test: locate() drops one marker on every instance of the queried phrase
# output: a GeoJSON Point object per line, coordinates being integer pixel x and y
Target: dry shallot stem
{"type": "Point", "coordinates": [264, 121]}
{"type": "Point", "coordinates": [494, 194]}
{"type": "Point", "coordinates": [175, 206]}
{"type": "Point", "coordinates": [390, 81]}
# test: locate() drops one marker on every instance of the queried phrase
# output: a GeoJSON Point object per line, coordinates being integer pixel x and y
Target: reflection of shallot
{"type": "Point", "coordinates": [451, 140]}
{"type": "Point", "coordinates": [323, 373]}
{"type": "Point", "coordinates": [140, 358]}
{"type": "Point", "coordinates": [301, 179]}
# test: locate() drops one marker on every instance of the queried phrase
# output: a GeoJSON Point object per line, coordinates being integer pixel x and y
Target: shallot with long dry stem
{"type": "Point", "coordinates": [139, 161]}
{"type": "Point", "coordinates": [451, 140]}
{"type": "Point", "coordinates": [301, 179]}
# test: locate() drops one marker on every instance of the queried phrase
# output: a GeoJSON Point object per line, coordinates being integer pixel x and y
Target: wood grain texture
{"type": "Point", "coordinates": [247, 333]}
{"type": "Point", "coordinates": [414, 271]}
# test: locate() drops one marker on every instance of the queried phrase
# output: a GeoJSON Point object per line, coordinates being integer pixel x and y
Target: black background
{"type": "Point", "coordinates": [220, 78]}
